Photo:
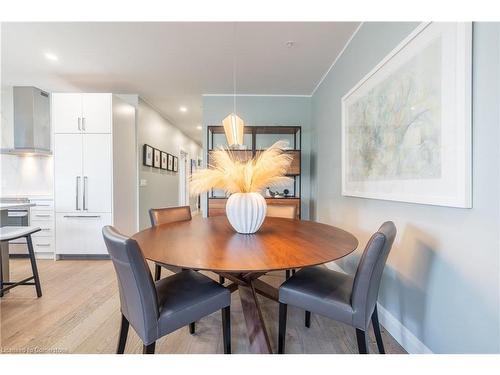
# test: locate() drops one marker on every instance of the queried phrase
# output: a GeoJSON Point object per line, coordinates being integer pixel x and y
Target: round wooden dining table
{"type": "Point", "coordinates": [211, 244]}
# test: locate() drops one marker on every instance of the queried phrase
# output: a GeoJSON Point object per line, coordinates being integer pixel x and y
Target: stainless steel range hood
{"type": "Point", "coordinates": [31, 122]}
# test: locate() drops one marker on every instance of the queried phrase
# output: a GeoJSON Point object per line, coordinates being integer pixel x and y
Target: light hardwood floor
{"type": "Point", "coordinates": [79, 313]}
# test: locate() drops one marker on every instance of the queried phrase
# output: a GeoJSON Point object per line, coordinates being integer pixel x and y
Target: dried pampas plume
{"type": "Point", "coordinates": [267, 168]}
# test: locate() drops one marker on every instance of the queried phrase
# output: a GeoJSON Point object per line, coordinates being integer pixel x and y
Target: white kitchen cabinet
{"type": "Point", "coordinates": [68, 176]}
{"type": "Point", "coordinates": [84, 166]}
{"type": "Point", "coordinates": [96, 113]}
{"type": "Point", "coordinates": [42, 216]}
{"type": "Point", "coordinates": [97, 173]}
{"type": "Point", "coordinates": [46, 226]}
{"type": "Point", "coordinates": [80, 234]}
{"type": "Point", "coordinates": [43, 244]}
{"type": "Point", "coordinates": [66, 113]}
{"type": "Point", "coordinates": [83, 192]}
{"type": "Point", "coordinates": [81, 113]}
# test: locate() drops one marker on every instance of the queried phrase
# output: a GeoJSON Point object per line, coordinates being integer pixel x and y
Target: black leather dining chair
{"type": "Point", "coordinates": [159, 216]}
{"type": "Point", "coordinates": [347, 299]}
{"type": "Point", "coordinates": [285, 212]}
{"type": "Point", "coordinates": [155, 309]}
{"type": "Point", "coordinates": [167, 215]}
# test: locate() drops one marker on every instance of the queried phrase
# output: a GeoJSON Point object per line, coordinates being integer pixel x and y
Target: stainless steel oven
{"type": "Point", "coordinates": [18, 217]}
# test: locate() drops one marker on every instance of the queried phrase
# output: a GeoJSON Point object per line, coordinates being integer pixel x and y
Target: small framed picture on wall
{"type": "Point", "coordinates": [170, 162]}
{"type": "Point", "coordinates": [157, 158]}
{"type": "Point", "coordinates": [163, 160]}
{"type": "Point", "coordinates": [176, 163]}
{"type": "Point", "coordinates": [147, 155]}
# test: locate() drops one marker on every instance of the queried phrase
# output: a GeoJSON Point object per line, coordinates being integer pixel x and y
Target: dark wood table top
{"type": "Point", "coordinates": [212, 244]}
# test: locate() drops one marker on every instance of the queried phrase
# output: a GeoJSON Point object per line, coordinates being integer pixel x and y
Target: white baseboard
{"type": "Point", "coordinates": [401, 334]}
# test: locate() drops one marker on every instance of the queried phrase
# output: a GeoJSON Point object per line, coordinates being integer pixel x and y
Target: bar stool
{"type": "Point", "coordinates": [12, 233]}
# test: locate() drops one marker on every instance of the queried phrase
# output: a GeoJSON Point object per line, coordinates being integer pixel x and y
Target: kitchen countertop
{"type": "Point", "coordinates": [8, 206]}
{"type": "Point", "coordinates": [27, 196]}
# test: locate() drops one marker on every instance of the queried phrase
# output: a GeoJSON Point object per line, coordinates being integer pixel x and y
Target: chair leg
{"type": "Point", "coordinates": [33, 266]}
{"type": "Point", "coordinates": [287, 274]}
{"type": "Point", "coordinates": [282, 328]}
{"type": "Point", "coordinates": [122, 340]}
{"type": "Point", "coordinates": [222, 280]}
{"type": "Point", "coordinates": [293, 272]}
{"type": "Point", "coordinates": [149, 349]}
{"type": "Point", "coordinates": [362, 345]}
{"type": "Point", "coordinates": [192, 328]}
{"type": "Point", "coordinates": [376, 329]}
{"type": "Point", "coordinates": [308, 319]}
{"type": "Point", "coordinates": [157, 272]}
{"type": "Point", "coordinates": [226, 329]}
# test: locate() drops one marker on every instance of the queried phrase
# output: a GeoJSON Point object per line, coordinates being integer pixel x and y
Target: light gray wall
{"type": "Point", "coordinates": [266, 110]}
{"type": "Point", "coordinates": [162, 189]}
{"type": "Point", "coordinates": [125, 184]}
{"type": "Point", "coordinates": [442, 277]}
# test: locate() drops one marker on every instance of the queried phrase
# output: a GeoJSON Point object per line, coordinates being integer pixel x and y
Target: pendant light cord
{"type": "Point", "coordinates": [234, 68]}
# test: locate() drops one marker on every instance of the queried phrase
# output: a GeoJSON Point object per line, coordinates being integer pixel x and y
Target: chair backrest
{"type": "Point", "coordinates": [167, 215]}
{"type": "Point", "coordinates": [138, 298]}
{"type": "Point", "coordinates": [284, 211]}
{"type": "Point", "coordinates": [369, 272]}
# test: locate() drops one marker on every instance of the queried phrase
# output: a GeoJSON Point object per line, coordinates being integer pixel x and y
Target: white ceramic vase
{"type": "Point", "coordinates": [246, 212]}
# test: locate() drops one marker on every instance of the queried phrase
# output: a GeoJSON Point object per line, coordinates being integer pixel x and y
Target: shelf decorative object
{"type": "Point", "coordinates": [244, 180]}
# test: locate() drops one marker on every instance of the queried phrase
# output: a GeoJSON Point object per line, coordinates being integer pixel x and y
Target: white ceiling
{"type": "Point", "coordinates": [171, 64]}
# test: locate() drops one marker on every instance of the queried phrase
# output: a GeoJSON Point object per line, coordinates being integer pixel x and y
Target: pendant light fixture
{"type": "Point", "coordinates": [233, 124]}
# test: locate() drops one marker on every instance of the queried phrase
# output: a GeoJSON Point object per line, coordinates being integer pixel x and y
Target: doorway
{"type": "Point", "coordinates": [183, 179]}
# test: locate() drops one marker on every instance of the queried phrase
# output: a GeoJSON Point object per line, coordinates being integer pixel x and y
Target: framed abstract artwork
{"type": "Point", "coordinates": [156, 158]}
{"type": "Point", "coordinates": [163, 160]}
{"type": "Point", "coordinates": [147, 155]}
{"type": "Point", "coordinates": [406, 126]}
{"type": "Point", "coordinates": [170, 162]}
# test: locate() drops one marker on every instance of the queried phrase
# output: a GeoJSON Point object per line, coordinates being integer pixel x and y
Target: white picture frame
{"type": "Point", "coordinates": [376, 159]}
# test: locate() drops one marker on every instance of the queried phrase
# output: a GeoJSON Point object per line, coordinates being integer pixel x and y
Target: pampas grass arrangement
{"type": "Point", "coordinates": [267, 169]}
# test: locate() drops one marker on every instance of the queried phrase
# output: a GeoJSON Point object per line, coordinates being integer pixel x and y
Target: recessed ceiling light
{"type": "Point", "coordinates": [199, 127]}
{"type": "Point", "coordinates": [50, 56]}
{"type": "Point", "coordinates": [183, 109]}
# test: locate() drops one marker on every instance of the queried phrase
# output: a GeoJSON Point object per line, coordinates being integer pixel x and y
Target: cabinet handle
{"type": "Point", "coordinates": [87, 216]}
{"type": "Point", "coordinates": [79, 123]}
{"type": "Point", "coordinates": [83, 123]}
{"type": "Point", "coordinates": [77, 193]}
{"type": "Point", "coordinates": [39, 215]}
{"type": "Point", "coordinates": [85, 178]}
{"type": "Point", "coordinates": [43, 244]}
{"type": "Point", "coordinates": [45, 228]}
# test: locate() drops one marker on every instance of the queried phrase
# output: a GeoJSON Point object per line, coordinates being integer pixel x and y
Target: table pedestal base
{"type": "Point", "coordinates": [249, 286]}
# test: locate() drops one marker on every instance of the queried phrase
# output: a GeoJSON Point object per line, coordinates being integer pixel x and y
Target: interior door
{"type": "Point", "coordinates": [183, 179]}
{"type": "Point", "coordinates": [68, 172]}
{"type": "Point", "coordinates": [96, 109]}
{"type": "Point", "coordinates": [97, 173]}
{"type": "Point", "coordinates": [67, 113]}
